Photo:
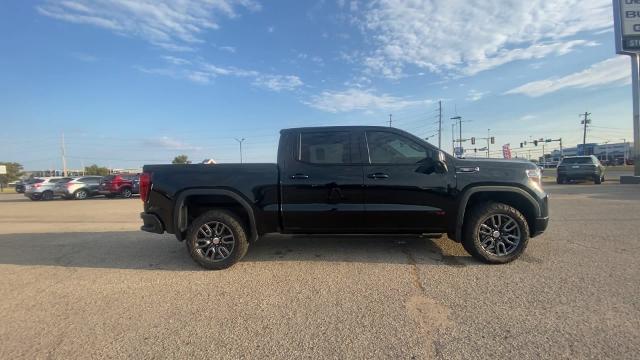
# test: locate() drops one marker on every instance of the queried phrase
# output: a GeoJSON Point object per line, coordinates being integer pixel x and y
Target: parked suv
{"type": "Point", "coordinates": [79, 188]}
{"type": "Point", "coordinates": [42, 188]}
{"type": "Point", "coordinates": [123, 185]}
{"type": "Point", "coordinates": [580, 168]}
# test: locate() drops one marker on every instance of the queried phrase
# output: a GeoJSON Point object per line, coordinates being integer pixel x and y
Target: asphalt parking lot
{"type": "Point", "coordinates": [78, 280]}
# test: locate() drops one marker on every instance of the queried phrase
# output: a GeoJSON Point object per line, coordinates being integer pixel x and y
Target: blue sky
{"type": "Point", "coordinates": [134, 82]}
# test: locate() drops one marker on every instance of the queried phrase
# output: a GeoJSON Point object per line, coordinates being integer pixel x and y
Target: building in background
{"type": "Point", "coordinates": [609, 153]}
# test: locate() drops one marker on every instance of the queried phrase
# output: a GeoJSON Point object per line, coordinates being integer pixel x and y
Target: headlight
{"type": "Point", "coordinates": [535, 175]}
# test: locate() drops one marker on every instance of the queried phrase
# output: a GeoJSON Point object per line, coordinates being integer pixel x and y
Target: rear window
{"type": "Point", "coordinates": [61, 180]}
{"type": "Point", "coordinates": [34, 181]}
{"type": "Point", "coordinates": [577, 160]}
{"type": "Point", "coordinates": [331, 147]}
{"type": "Point", "coordinates": [108, 178]}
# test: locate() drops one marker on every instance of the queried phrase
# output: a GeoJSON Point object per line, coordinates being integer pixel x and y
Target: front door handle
{"type": "Point", "coordinates": [378, 176]}
{"type": "Point", "coordinates": [299, 177]}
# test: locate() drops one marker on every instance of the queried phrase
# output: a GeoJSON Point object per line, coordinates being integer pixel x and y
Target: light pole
{"type": "Point", "coordinates": [240, 142]}
{"type": "Point", "coordinates": [459, 119]}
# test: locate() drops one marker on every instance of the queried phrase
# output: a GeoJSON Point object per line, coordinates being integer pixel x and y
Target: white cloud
{"type": "Point", "coordinates": [229, 49]}
{"type": "Point", "coordinates": [168, 143]}
{"type": "Point", "coordinates": [172, 25]}
{"type": "Point", "coordinates": [278, 82]}
{"type": "Point", "coordinates": [614, 71]}
{"type": "Point", "coordinates": [84, 57]}
{"type": "Point", "coordinates": [475, 95]}
{"type": "Point", "coordinates": [475, 35]}
{"type": "Point", "coordinates": [359, 99]}
{"type": "Point", "coordinates": [528, 117]}
{"type": "Point", "coordinates": [202, 72]}
{"type": "Point", "coordinates": [176, 60]}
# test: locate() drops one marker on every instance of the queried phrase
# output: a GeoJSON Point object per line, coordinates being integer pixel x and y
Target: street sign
{"type": "Point", "coordinates": [627, 26]}
{"type": "Point", "coordinates": [3, 169]}
{"type": "Point", "coordinates": [626, 20]}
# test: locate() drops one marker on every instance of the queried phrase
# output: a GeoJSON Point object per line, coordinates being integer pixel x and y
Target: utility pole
{"type": "Point", "coordinates": [453, 139]}
{"type": "Point", "coordinates": [64, 158]}
{"type": "Point", "coordinates": [488, 141]}
{"type": "Point", "coordinates": [390, 121]}
{"type": "Point", "coordinates": [458, 118]}
{"type": "Point", "coordinates": [586, 121]}
{"type": "Point", "coordinates": [439, 124]}
{"type": "Point", "coordinates": [240, 142]}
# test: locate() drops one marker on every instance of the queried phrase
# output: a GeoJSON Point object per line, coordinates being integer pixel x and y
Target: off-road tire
{"type": "Point", "coordinates": [235, 225]}
{"type": "Point", "coordinates": [471, 237]}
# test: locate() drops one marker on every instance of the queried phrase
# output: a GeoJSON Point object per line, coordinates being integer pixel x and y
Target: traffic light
{"type": "Point", "coordinates": [493, 140]}
{"type": "Point", "coordinates": [535, 142]}
{"type": "Point", "coordinates": [473, 141]}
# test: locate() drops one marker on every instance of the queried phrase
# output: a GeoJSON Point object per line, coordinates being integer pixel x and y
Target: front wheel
{"type": "Point", "coordinates": [81, 194]}
{"type": "Point", "coordinates": [216, 240]}
{"type": "Point", "coordinates": [126, 193]}
{"type": "Point", "coordinates": [495, 233]}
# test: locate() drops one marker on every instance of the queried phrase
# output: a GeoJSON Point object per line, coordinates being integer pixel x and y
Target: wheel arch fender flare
{"type": "Point", "coordinates": [467, 193]}
{"type": "Point", "coordinates": [179, 213]}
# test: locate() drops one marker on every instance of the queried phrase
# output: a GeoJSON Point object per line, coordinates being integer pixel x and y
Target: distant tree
{"type": "Point", "coordinates": [14, 172]}
{"type": "Point", "coordinates": [96, 170]}
{"type": "Point", "coordinates": [181, 159]}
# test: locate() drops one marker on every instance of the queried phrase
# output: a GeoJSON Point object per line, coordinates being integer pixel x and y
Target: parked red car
{"type": "Point", "coordinates": [124, 185]}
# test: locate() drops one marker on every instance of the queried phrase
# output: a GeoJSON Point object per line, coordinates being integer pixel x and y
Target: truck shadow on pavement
{"type": "Point", "coordinates": [135, 250]}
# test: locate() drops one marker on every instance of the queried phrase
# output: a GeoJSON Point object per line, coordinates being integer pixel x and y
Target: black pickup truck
{"type": "Point", "coordinates": [341, 180]}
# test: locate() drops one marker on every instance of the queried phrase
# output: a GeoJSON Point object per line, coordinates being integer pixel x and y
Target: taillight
{"type": "Point", "coordinates": [145, 186]}
{"type": "Point", "coordinates": [37, 185]}
{"type": "Point", "coordinates": [69, 185]}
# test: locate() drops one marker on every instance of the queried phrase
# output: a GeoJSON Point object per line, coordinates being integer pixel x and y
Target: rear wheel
{"type": "Point", "coordinates": [559, 180]}
{"type": "Point", "coordinates": [81, 194]}
{"type": "Point", "coordinates": [126, 193]}
{"type": "Point", "coordinates": [216, 240]}
{"type": "Point", "coordinates": [47, 195]}
{"type": "Point", "coordinates": [597, 179]}
{"type": "Point", "coordinates": [495, 233]}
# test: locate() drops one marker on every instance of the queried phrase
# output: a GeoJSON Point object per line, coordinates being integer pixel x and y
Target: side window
{"type": "Point", "coordinates": [390, 148]}
{"type": "Point", "coordinates": [331, 147]}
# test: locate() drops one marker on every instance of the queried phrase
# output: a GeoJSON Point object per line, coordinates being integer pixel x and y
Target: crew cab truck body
{"type": "Point", "coordinates": [347, 180]}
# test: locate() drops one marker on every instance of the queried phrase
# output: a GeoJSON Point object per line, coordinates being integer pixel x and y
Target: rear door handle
{"type": "Point", "coordinates": [378, 176]}
{"type": "Point", "coordinates": [299, 177]}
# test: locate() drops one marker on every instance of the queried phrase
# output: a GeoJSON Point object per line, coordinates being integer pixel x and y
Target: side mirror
{"type": "Point", "coordinates": [430, 166]}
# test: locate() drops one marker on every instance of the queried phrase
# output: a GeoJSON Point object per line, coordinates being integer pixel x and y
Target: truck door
{"type": "Point", "coordinates": [401, 193]}
{"type": "Point", "coordinates": [322, 183]}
